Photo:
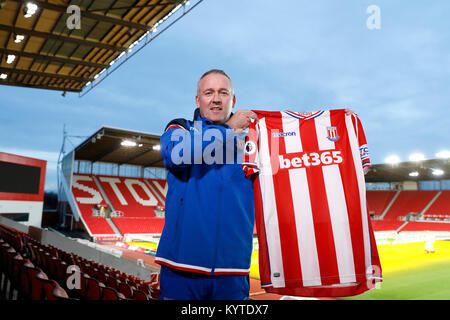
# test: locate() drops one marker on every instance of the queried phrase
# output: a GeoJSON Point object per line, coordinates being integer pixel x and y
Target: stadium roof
{"type": "Point", "coordinates": [41, 45]}
{"type": "Point", "coordinates": [107, 145]}
{"type": "Point", "coordinates": [401, 171]}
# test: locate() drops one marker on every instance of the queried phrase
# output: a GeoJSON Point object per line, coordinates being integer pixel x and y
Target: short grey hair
{"type": "Point", "coordinates": [215, 71]}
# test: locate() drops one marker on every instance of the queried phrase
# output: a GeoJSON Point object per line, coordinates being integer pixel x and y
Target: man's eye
{"type": "Point", "coordinates": [224, 93]}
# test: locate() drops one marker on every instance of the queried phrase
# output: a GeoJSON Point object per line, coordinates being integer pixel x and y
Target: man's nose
{"type": "Point", "coordinates": [216, 98]}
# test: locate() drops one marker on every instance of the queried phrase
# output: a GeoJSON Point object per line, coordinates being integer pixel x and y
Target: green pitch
{"type": "Point", "coordinates": [411, 274]}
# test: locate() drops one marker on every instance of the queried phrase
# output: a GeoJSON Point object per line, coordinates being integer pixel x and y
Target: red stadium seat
{"type": "Point", "coordinates": [409, 201]}
{"type": "Point", "coordinates": [61, 274]}
{"type": "Point", "coordinates": [378, 200]}
{"type": "Point", "coordinates": [140, 295]}
{"type": "Point", "coordinates": [37, 284]}
{"type": "Point", "coordinates": [111, 281]}
{"type": "Point", "coordinates": [441, 206]}
{"type": "Point", "coordinates": [60, 294]}
{"type": "Point", "coordinates": [109, 293]}
{"type": "Point", "coordinates": [29, 270]}
{"type": "Point", "coordinates": [126, 290]}
{"type": "Point", "coordinates": [49, 289]}
{"type": "Point", "coordinates": [101, 276]}
{"type": "Point", "coordinates": [7, 261]}
{"type": "Point", "coordinates": [93, 289]}
{"type": "Point", "coordinates": [17, 264]}
{"type": "Point", "coordinates": [80, 292]}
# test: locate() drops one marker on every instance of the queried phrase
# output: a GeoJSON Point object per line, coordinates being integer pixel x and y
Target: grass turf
{"type": "Point", "coordinates": [411, 274]}
{"type": "Point", "coordinates": [408, 272]}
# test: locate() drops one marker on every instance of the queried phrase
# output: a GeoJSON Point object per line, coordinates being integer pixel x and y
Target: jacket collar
{"type": "Point", "coordinates": [198, 117]}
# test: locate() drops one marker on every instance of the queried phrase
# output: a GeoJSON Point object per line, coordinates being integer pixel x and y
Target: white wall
{"type": "Point", "coordinates": [33, 208]}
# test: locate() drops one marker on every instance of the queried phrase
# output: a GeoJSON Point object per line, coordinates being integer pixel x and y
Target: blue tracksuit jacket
{"type": "Point", "coordinates": [209, 215]}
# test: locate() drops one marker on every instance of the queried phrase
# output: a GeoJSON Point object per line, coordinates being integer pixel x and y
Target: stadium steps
{"type": "Point", "coordinates": [401, 227]}
{"type": "Point", "coordinates": [152, 188]}
{"type": "Point", "coordinates": [389, 205]}
{"type": "Point", "coordinates": [378, 200]}
{"type": "Point", "coordinates": [410, 202]}
{"type": "Point", "coordinates": [105, 196]}
{"type": "Point", "coordinates": [441, 206]}
{"type": "Point", "coordinates": [429, 204]}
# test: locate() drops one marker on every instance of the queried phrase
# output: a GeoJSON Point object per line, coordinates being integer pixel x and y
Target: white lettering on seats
{"type": "Point", "coordinates": [160, 188]}
{"type": "Point", "coordinates": [150, 202]}
{"type": "Point", "coordinates": [96, 196]}
{"type": "Point", "coordinates": [113, 183]}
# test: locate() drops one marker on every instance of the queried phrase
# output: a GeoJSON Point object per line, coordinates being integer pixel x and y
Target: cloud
{"type": "Point", "coordinates": [49, 156]}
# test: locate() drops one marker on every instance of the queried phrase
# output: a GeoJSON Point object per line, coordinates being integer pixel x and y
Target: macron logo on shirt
{"type": "Point", "coordinates": [283, 134]}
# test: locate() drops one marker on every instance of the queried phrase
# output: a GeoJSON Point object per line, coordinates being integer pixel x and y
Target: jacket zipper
{"type": "Point", "coordinates": [219, 211]}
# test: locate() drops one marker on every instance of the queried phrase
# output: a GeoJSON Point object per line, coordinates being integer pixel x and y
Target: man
{"type": "Point", "coordinates": [205, 248]}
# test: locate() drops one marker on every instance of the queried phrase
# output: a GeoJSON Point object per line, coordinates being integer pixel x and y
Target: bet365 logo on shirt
{"type": "Point", "coordinates": [310, 159]}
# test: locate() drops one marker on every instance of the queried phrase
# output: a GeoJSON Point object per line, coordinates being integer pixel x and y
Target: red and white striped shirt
{"type": "Point", "coordinates": [315, 236]}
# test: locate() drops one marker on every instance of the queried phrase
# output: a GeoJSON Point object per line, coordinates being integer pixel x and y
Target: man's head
{"type": "Point", "coordinates": [215, 96]}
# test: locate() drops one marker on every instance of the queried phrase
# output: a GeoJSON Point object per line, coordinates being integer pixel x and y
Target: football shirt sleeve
{"type": "Point", "coordinates": [250, 154]}
{"type": "Point", "coordinates": [362, 142]}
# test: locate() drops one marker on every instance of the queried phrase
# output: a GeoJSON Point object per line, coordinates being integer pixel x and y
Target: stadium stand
{"type": "Point", "coordinates": [30, 270]}
{"type": "Point", "coordinates": [409, 202]}
{"type": "Point", "coordinates": [160, 187]}
{"type": "Point", "coordinates": [383, 225]}
{"type": "Point", "coordinates": [132, 203]}
{"type": "Point", "coordinates": [440, 209]}
{"type": "Point", "coordinates": [136, 199]}
{"type": "Point", "coordinates": [377, 201]}
{"type": "Point", "coordinates": [132, 196]}
{"type": "Point", "coordinates": [87, 195]}
{"type": "Point", "coordinates": [139, 225]}
{"type": "Point", "coordinates": [426, 226]}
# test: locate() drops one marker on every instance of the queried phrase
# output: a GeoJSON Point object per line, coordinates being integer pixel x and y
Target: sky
{"type": "Point", "coordinates": [281, 55]}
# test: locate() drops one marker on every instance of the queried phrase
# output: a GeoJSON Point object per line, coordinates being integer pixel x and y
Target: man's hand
{"type": "Point", "coordinates": [241, 120]}
{"type": "Point", "coordinates": [349, 111]}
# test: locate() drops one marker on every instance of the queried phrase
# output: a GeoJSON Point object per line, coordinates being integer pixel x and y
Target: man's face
{"type": "Point", "coordinates": [215, 98]}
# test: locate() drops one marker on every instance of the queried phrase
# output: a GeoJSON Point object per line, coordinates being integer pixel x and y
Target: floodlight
{"type": "Point", "coordinates": [3, 76]}
{"type": "Point", "coordinates": [417, 157]}
{"type": "Point", "coordinates": [157, 147]}
{"type": "Point", "coordinates": [437, 172]}
{"type": "Point", "coordinates": [19, 38]}
{"type": "Point", "coordinates": [10, 58]}
{"type": "Point", "coordinates": [393, 159]}
{"type": "Point", "coordinates": [29, 9]}
{"type": "Point", "coordinates": [128, 143]}
{"type": "Point", "coordinates": [443, 154]}
{"type": "Point", "coordinates": [414, 174]}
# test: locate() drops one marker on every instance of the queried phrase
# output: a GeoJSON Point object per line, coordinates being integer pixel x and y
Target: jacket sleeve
{"type": "Point", "coordinates": [183, 146]}
{"type": "Point", "coordinates": [250, 158]}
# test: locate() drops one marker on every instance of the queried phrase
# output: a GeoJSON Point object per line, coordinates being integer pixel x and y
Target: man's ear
{"type": "Point", "coordinates": [234, 100]}
{"type": "Point", "coordinates": [196, 101]}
